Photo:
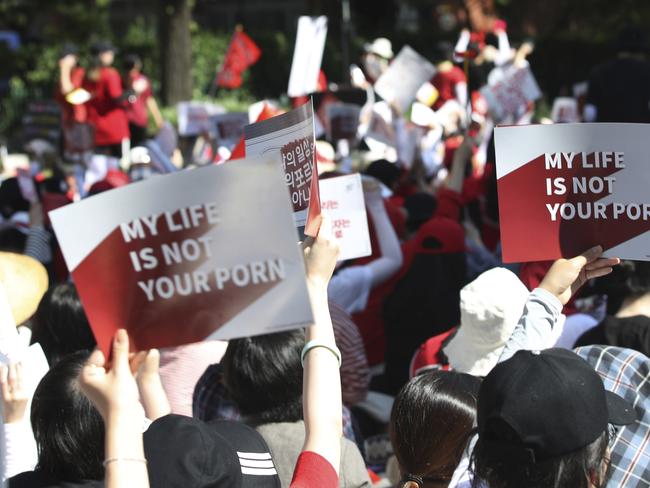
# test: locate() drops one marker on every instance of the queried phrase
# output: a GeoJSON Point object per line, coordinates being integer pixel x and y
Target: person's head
{"type": "Point", "coordinates": [68, 429]}
{"type": "Point", "coordinates": [543, 420]}
{"type": "Point", "coordinates": [431, 422]}
{"type": "Point", "coordinates": [629, 281]}
{"type": "Point", "coordinates": [631, 40]}
{"type": "Point", "coordinates": [263, 375]}
{"type": "Point", "coordinates": [420, 207]}
{"type": "Point", "coordinates": [104, 53]}
{"type": "Point", "coordinates": [388, 173]}
{"type": "Point", "coordinates": [490, 307]}
{"type": "Point", "coordinates": [133, 63]}
{"type": "Point", "coordinates": [70, 51]}
{"type": "Point", "coordinates": [60, 324]}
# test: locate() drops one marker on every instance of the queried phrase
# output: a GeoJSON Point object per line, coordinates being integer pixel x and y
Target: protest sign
{"type": "Point", "coordinates": [202, 254]}
{"type": "Point", "coordinates": [565, 110]}
{"type": "Point", "coordinates": [194, 117]}
{"type": "Point", "coordinates": [307, 55]}
{"type": "Point", "coordinates": [509, 91]}
{"type": "Point", "coordinates": [565, 188]}
{"type": "Point", "coordinates": [399, 84]}
{"type": "Point", "coordinates": [342, 121]}
{"type": "Point", "coordinates": [42, 120]}
{"type": "Point", "coordinates": [289, 140]}
{"type": "Point", "coordinates": [342, 201]}
{"type": "Point", "coordinates": [229, 127]}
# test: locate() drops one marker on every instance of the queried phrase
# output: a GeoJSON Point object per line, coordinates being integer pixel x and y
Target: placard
{"type": "Point", "coordinates": [307, 55]}
{"type": "Point", "coordinates": [229, 127]}
{"type": "Point", "coordinates": [509, 91]}
{"type": "Point", "coordinates": [289, 140]}
{"type": "Point", "coordinates": [399, 84]}
{"type": "Point", "coordinates": [342, 201]}
{"type": "Point", "coordinates": [194, 117]}
{"type": "Point", "coordinates": [565, 110]}
{"type": "Point", "coordinates": [208, 253]}
{"type": "Point", "coordinates": [568, 187]}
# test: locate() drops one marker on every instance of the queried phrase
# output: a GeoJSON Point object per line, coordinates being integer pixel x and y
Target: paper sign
{"type": "Point", "coordinates": [342, 200]}
{"type": "Point", "coordinates": [400, 83]}
{"type": "Point", "coordinates": [568, 187]}
{"type": "Point", "coordinates": [229, 127]}
{"type": "Point", "coordinates": [307, 55]}
{"type": "Point", "coordinates": [509, 91]}
{"type": "Point", "coordinates": [342, 121]}
{"type": "Point", "coordinates": [194, 117]}
{"type": "Point", "coordinates": [565, 110]}
{"type": "Point", "coordinates": [208, 253]}
{"type": "Point", "coordinates": [289, 140]}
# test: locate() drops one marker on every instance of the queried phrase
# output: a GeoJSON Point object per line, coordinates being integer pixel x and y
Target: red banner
{"type": "Point", "coordinates": [241, 54]}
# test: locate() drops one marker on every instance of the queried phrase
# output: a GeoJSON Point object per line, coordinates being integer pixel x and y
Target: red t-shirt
{"type": "Point", "coordinates": [136, 112]}
{"type": "Point", "coordinates": [105, 112]}
{"type": "Point", "coordinates": [69, 112]}
{"type": "Point", "coordinates": [445, 82]}
{"type": "Point", "coordinates": [313, 471]}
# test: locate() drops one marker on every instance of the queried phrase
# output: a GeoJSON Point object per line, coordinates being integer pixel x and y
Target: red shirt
{"type": "Point", "coordinates": [313, 471]}
{"type": "Point", "coordinates": [136, 112]}
{"type": "Point", "coordinates": [445, 82]}
{"type": "Point", "coordinates": [105, 112]}
{"type": "Point", "coordinates": [69, 112]}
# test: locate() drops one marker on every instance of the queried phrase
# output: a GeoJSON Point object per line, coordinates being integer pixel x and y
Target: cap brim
{"type": "Point", "coordinates": [620, 411]}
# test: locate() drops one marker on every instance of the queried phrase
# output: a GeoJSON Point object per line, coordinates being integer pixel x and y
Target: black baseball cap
{"type": "Point", "coordinates": [101, 47]}
{"type": "Point", "coordinates": [552, 403]}
{"type": "Point", "coordinates": [189, 453]}
{"type": "Point", "coordinates": [67, 49]}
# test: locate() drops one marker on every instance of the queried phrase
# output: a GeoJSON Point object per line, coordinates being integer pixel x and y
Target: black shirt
{"type": "Point", "coordinates": [36, 479]}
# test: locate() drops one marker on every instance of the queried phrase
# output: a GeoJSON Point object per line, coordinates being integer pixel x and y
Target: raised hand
{"type": "Point", "coordinates": [14, 393]}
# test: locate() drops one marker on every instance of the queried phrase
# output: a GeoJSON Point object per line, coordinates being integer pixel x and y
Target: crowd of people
{"type": "Point", "coordinates": [430, 363]}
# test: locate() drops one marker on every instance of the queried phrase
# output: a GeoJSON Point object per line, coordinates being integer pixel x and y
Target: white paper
{"type": "Point", "coordinates": [307, 55]}
{"type": "Point", "coordinates": [194, 117]}
{"type": "Point", "coordinates": [509, 91]}
{"type": "Point", "coordinates": [342, 200]}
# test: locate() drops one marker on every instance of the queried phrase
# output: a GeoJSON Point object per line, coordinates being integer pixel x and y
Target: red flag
{"type": "Point", "coordinates": [241, 54]}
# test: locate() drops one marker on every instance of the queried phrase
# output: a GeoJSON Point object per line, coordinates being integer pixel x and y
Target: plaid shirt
{"type": "Point", "coordinates": [627, 373]}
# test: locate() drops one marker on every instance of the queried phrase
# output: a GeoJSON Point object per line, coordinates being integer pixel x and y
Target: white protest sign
{"type": "Point", "coordinates": [564, 188]}
{"type": "Point", "coordinates": [230, 127]}
{"type": "Point", "coordinates": [194, 117]}
{"type": "Point", "coordinates": [342, 200]}
{"type": "Point", "coordinates": [307, 55]}
{"type": "Point", "coordinates": [208, 253]}
{"type": "Point", "coordinates": [399, 84]}
{"type": "Point", "coordinates": [565, 110]}
{"type": "Point", "coordinates": [509, 91]}
{"type": "Point", "coordinates": [289, 140]}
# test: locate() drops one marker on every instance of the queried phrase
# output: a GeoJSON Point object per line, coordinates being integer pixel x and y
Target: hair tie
{"type": "Point", "coordinates": [413, 478]}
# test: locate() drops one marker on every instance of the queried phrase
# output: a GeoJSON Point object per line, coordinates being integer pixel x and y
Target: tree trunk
{"type": "Point", "coordinates": [176, 49]}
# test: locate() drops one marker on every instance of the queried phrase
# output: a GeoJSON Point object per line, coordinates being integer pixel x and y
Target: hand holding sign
{"type": "Point", "coordinates": [567, 276]}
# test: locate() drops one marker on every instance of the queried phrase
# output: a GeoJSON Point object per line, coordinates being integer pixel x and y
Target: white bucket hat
{"type": "Point", "coordinates": [382, 47]}
{"type": "Point", "coordinates": [490, 307]}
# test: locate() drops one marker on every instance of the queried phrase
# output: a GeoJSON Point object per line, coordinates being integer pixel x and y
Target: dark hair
{"type": "Point", "coordinates": [503, 469]}
{"type": "Point", "coordinates": [629, 280]}
{"type": "Point", "coordinates": [60, 324]}
{"type": "Point", "coordinates": [12, 240]}
{"type": "Point", "coordinates": [69, 431]}
{"type": "Point", "coordinates": [385, 171]}
{"type": "Point", "coordinates": [11, 198]}
{"type": "Point", "coordinates": [131, 61]}
{"type": "Point", "coordinates": [431, 422]}
{"type": "Point", "coordinates": [263, 376]}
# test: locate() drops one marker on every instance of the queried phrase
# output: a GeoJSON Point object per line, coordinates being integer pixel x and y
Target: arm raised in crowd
{"type": "Point", "coordinates": [545, 303]}
{"type": "Point", "coordinates": [115, 395]}
{"type": "Point", "coordinates": [322, 404]}
{"type": "Point", "coordinates": [146, 365]}
{"type": "Point", "coordinates": [391, 257]}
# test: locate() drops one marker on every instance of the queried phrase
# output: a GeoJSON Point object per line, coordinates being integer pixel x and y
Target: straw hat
{"type": "Point", "coordinates": [25, 282]}
{"type": "Point", "coordinates": [381, 47]}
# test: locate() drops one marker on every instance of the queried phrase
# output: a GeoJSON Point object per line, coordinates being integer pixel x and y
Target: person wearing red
{"type": "Point", "coordinates": [71, 77]}
{"type": "Point", "coordinates": [106, 106]}
{"type": "Point", "coordinates": [140, 101]}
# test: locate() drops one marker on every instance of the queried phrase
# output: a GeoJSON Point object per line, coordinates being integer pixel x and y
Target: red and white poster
{"type": "Point", "coordinates": [509, 91]}
{"type": "Point", "coordinates": [203, 254]}
{"type": "Point", "coordinates": [342, 201]}
{"type": "Point", "coordinates": [289, 140]}
{"type": "Point", "coordinates": [568, 187]}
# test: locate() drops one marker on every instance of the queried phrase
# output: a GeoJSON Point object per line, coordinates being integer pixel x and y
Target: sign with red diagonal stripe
{"type": "Point", "coordinates": [565, 188]}
{"type": "Point", "coordinates": [203, 254]}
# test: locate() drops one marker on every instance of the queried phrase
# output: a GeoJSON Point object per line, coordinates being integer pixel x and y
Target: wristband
{"type": "Point", "coordinates": [125, 459]}
{"type": "Point", "coordinates": [313, 345]}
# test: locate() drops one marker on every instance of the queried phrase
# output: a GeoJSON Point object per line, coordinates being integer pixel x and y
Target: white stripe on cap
{"type": "Point", "coordinates": [256, 463]}
{"type": "Point", "coordinates": [254, 455]}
